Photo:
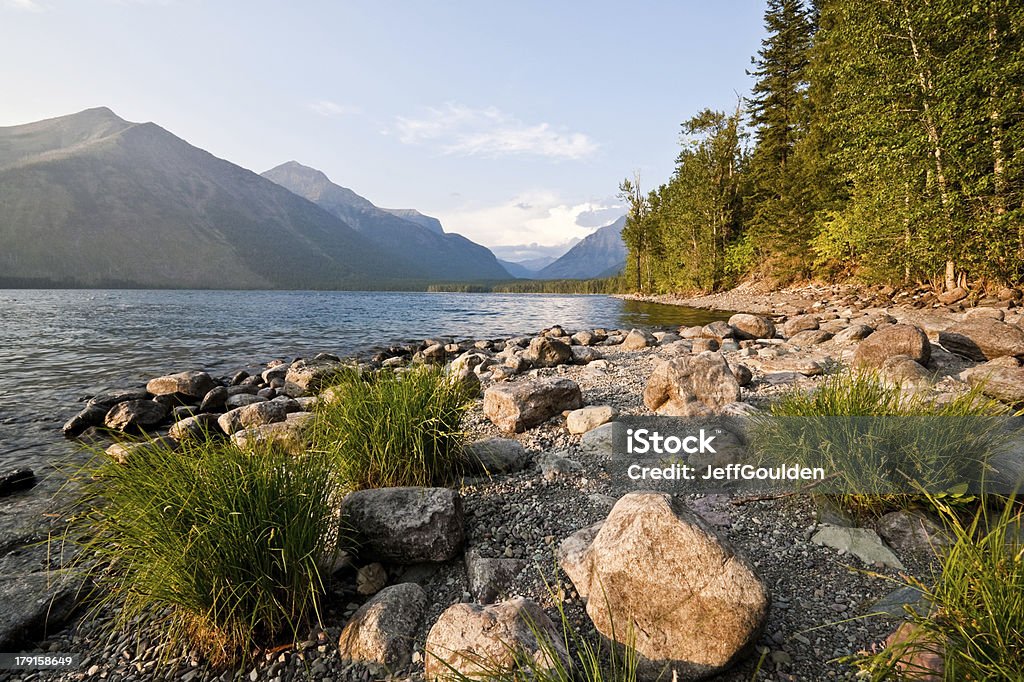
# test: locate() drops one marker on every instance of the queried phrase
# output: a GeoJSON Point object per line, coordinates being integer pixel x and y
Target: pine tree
{"type": "Point", "coordinates": [778, 110]}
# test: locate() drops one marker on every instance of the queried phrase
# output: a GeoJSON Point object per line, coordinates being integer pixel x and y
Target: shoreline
{"type": "Point", "coordinates": [524, 514]}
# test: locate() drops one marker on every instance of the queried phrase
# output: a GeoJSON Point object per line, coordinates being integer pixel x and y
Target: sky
{"type": "Point", "coordinates": [512, 122]}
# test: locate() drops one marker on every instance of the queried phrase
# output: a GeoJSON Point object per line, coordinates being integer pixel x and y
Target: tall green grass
{"type": "Point", "coordinates": [209, 546]}
{"type": "Point", "coordinates": [880, 445]}
{"type": "Point", "coordinates": [394, 428]}
{"type": "Point", "coordinates": [976, 619]}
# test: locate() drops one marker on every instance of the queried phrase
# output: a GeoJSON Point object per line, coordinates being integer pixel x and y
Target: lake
{"type": "Point", "coordinates": [58, 346]}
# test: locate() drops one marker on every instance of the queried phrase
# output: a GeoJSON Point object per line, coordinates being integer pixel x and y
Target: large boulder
{"type": "Point", "coordinates": [192, 384]}
{"type": "Point", "coordinates": [983, 338]}
{"type": "Point", "coordinates": [194, 428]}
{"type": "Point", "coordinates": [712, 614]}
{"type": "Point", "coordinates": [520, 406]}
{"type": "Point", "coordinates": [751, 326]}
{"type": "Point", "coordinates": [136, 414]}
{"type": "Point", "coordinates": [405, 525]}
{"type": "Point", "coordinates": [810, 337]}
{"type": "Point", "coordinates": [123, 453]}
{"type": "Point", "coordinates": [799, 323]}
{"type": "Point", "coordinates": [311, 374]}
{"type": "Point", "coordinates": [290, 435]}
{"type": "Point", "coordinates": [1004, 383]}
{"type": "Point", "coordinates": [382, 631]}
{"type": "Point", "coordinates": [470, 640]}
{"type": "Point", "coordinates": [545, 351]}
{"type": "Point", "coordinates": [91, 415]}
{"type": "Point", "coordinates": [688, 386]}
{"type": "Point", "coordinates": [256, 414]}
{"type": "Point", "coordinates": [890, 341]}
{"type": "Point", "coordinates": [639, 338]}
{"type": "Point", "coordinates": [717, 330]}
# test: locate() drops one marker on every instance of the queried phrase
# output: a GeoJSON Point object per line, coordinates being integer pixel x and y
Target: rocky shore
{"type": "Point", "coordinates": [784, 586]}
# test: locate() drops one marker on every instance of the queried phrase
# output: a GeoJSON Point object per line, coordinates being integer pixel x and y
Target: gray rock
{"type": "Point", "coordinates": [799, 323]}
{"type": "Point", "coordinates": [718, 330]}
{"type": "Point", "coordinates": [406, 525]}
{"type": "Point", "coordinates": [545, 351]}
{"type": "Point", "coordinates": [688, 386]}
{"type": "Point", "coordinates": [311, 375]}
{"type": "Point", "coordinates": [622, 565]}
{"type": "Point", "coordinates": [197, 427]}
{"type": "Point", "coordinates": [32, 604]}
{"type": "Point", "coordinates": [192, 384]}
{"type": "Point", "coordinates": [983, 338]}
{"type": "Point", "coordinates": [290, 435]}
{"type": "Point", "coordinates": [108, 399]}
{"type": "Point", "coordinates": [520, 406]}
{"type": "Point", "coordinates": [862, 543]}
{"type": "Point", "coordinates": [237, 400]}
{"type": "Point", "coordinates": [382, 631]}
{"type": "Point", "coordinates": [809, 337]}
{"type": "Point", "coordinates": [122, 453]}
{"type": "Point", "coordinates": [751, 326]}
{"type": "Point", "coordinates": [497, 455]}
{"type": "Point", "coordinates": [468, 640]}
{"type": "Point", "coordinates": [554, 465]}
{"type": "Point", "coordinates": [698, 346]}
{"type": "Point", "coordinates": [1000, 382]}
{"type": "Point", "coordinates": [897, 339]}
{"type": "Point", "coordinates": [855, 332]}
{"type": "Point", "coordinates": [92, 415]}
{"type": "Point", "coordinates": [16, 480]}
{"type": "Point", "coordinates": [371, 579]}
{"type": "Point", "coordinates": [256, 414]}
{"type": "Point", "coordinates": [136, 414]}
{"type": "Point", "coordinates": [913, 533]}
{"type": "Point", "coordinates": [488, 577]}
{"type": "Point", "coordinates": [589, 418]}
{"type": "Point", "coordinates": [584, 355]}
{"type": "Point", "coordinates": [637, 339]}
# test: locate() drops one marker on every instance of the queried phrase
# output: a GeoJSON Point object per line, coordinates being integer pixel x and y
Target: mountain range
{"type": "Point", "coordinates": [600, 254]}
{"type": "Point", "coordinates": [93, 200]}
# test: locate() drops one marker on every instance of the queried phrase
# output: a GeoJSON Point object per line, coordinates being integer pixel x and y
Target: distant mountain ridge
{"type": "Point", "coordinates": [405, 232]}
{"type": "Point", "coordinates": [93, 200]}
{"type": "Point", "coordinates": [600, 254]}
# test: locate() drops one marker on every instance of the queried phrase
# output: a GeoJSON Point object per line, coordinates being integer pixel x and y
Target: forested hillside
{"type": "Point", "coordinates": [883, 140]}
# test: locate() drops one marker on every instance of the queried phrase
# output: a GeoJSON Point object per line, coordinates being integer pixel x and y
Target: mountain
{"type": "Point", "coordinates": [429, 222]}
{"type": "Point", "coordinates": [409, 234]}
{"type": "Point", "coordinates": [93, 200]}
{"type": "Point", "coordinates": [526, 269]}
{"type": "Point", "coordinates": [600, 254]}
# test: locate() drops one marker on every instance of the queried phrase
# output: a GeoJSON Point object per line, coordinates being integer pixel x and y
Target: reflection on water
{"type": "Point", "coordinates": [57, 346]}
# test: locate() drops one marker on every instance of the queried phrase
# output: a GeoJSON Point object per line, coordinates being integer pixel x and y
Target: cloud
{"type": "Point", "coordinates": [24, 5]}
{"type": "Point", "coordinates": [518, 253]}
{"type": "Point", "coordinates": [538, 218]}
{"type": "Point", "coordinates": [491, 133]}
{"type": "Point", "coordinates": [326, 107]}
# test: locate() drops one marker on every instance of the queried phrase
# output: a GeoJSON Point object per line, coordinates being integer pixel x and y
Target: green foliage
{"type": "Point", "coordinates": [879, 463]}
{"type": "Point", "coordinates": [888, 144]}
{"type": "Point", "coordinates": [393, 428]}
{"type": "Point", "coordinates": [976, 615]}
{"type": "Point", "coordinates": [208, 546]}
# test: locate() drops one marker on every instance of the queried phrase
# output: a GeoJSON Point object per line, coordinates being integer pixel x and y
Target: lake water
{"type": "Point", "coordinates": [58, 346]}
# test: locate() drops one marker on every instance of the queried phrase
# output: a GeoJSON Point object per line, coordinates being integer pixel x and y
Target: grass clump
{"type": "Point", "coordinates": [394, 429]}
{"type": "Point", "coordinates": [210, 547]}
{"type": "Point", "coordinates": [976, 619]}
{"type": "Point", "coordinates": [880, 446]}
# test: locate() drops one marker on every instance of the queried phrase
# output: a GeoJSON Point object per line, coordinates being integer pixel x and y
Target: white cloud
{"type": "Point", "coordinates": [326, 107]}
{"type": "Point", "coordinates": [24, 5]}
{"type": "Point", "coordinates": [537, 218]}
{"type": "Point", "coordinates": [491, 133]}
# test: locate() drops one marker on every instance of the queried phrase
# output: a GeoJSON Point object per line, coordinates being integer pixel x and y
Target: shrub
{"type": "Point", "coordinates": [211, 547]}
{"type": "Point", "coordinates": [977, 603]}
{"type": "Point", "coordinates": [879, 463]}
{"type": "Point", "coordinates": [393, 429]}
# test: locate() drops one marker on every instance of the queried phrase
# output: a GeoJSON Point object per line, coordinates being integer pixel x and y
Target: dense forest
{"type": "Point", "coordinates": [883, 140]}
